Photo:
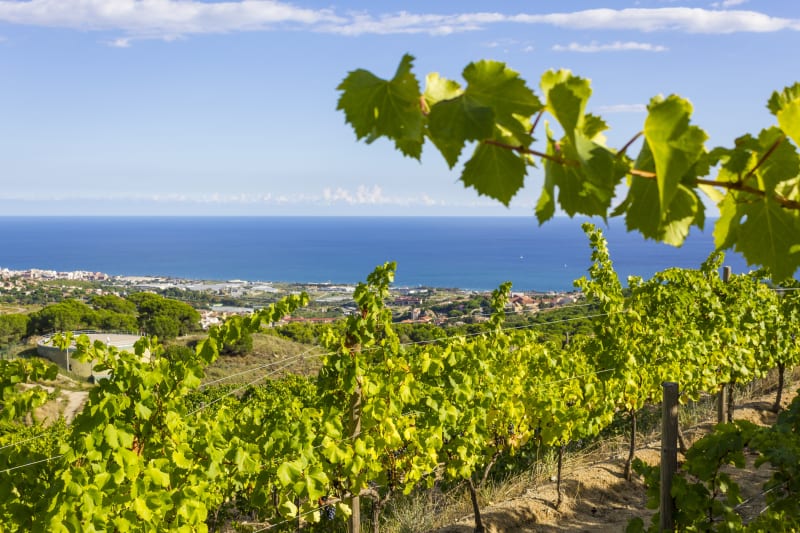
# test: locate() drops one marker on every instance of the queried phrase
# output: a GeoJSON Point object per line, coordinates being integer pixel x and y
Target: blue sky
{"type": "Point", "coordinates": [229, 107]}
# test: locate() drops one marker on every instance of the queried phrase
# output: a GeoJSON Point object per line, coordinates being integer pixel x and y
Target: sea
{"type": "Point", "coordinates": [477, 253]}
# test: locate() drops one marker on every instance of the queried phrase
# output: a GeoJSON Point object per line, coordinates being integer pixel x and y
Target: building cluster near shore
{"type": "Point", "coordinates": [41, 274]}
{"type": "Point", "coordinates": [330, 301]}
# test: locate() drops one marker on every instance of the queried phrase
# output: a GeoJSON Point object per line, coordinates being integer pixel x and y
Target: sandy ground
{"type": "Point", "coordinates": [598, 499]}
{"type": "Point", "coordinates": [68, 403]}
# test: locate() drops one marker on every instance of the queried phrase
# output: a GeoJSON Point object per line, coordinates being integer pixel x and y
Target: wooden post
{"type": "Point", "coordinates": [724, 395]}
{"type": "Point", "coordinates": [726, 274]}
{"type": "Point", "coordinates": [722, 404]}
{"type": "Point", "coordinates": [355, 430]}
{"type": "Point", "coordinates": [669, 455]}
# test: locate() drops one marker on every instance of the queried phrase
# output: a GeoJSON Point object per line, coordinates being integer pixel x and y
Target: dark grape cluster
{"type": "Point", "coordinates": [329, 512]}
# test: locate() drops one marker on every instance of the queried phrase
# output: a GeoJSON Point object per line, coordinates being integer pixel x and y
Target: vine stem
{"type": "Point", "coordinates": [526, 150]}
{"type": "Point", "coordinates": [536, 121]}
{"type": "Point", "coordinates": [764, 157]}
{"type": "Point", "coordinates": [732, 185]}
{"type": "Point", "coordinates": [629, 143]}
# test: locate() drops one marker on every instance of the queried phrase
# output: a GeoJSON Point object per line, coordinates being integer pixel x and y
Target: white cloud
{"type": "Point", "coordinates": [162, 18]}
{"type": "Point", "coordinates": [374, 195]}
{"type": "Point", "coordinates": [169, 19]}
{"type": "Point", "coordinates": [681, 19]}
{"type": "Point", "coordinates": [622, 108]}
{"type": "Point", "coordinates": [507, 44]}
{"type": "Point", "coordinates": [725, 4]}
{"type": "Point", "coordinates": [361, 196]}
{"type": "Point", "coordinates": [617, 46]}
{"type": "Point", "coordinates": [122, 42]}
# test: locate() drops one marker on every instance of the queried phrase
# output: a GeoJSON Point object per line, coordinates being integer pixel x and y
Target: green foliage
{"type": "Point", "coordinates": [15, 403]}
{"type": "Point", "coordinates": [13, 328]}
{"type": "Point", "coordinates": [68, 315]}
{"type": "Point", "coordinates": [242, 346]}
{"type": "Point", "coordinates": [706, 496]}
{"type": "Point", "coordinates": [112, 302]}
{"type": "Point", "coordinates": [163, 317]}
{"type": "Point", "coordinates": [755, 187]}
{"type": "Point", "coordinates": [111, 314]}
{"type": "Point", "coordinates": [153, 450]}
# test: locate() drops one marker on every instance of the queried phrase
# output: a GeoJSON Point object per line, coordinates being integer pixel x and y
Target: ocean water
{"type": "Point", "coordinates": [464, 252]}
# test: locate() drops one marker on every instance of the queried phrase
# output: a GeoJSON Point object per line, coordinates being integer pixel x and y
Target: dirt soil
{"type": "Point", "coordinates": [67, 403]}
{"type": "Point", "coordinates": [597, 498]}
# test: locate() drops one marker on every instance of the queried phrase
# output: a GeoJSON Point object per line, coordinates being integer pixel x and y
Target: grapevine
{"type": "Point", "coordinates": [755, 186]}
{"type": "Point", "coordinates": [151, 451]}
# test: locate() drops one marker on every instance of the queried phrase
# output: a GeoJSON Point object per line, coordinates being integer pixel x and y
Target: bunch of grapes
{"type": "Point", "coordinates": [328, 510]}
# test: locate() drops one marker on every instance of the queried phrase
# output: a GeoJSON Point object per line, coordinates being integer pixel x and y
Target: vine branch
{"type": "Point", "coordinates": [731, 185]}
{"type": "Point", "coordinates": [525, 150]}
{"type": "Point", "coordinates": [765, 157]}
{"type": "Point", "coordinates": [629, 143]}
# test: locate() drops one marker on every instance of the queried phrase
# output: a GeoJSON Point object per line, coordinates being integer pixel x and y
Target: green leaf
{"type": "Point", "coordinates": [781, 165]}
{"type": "Point", "coordinates": [438, 89]}
{"type": "Point", "coordinates": [760, 227]}
{"type": "Point", "coordinates": [157, 476]}
{"type": "Point", "coordinates": [642, 212]}
{"type": "Point", "coordinates": [288, 473]}
{"type": "Point", "coordinates": [142, 510]}
{"type": "Point", "coordinates": [180, 460]}
{"type": "Point", "coordinates": [785, 105]}
{"type": "Point", "coordinates": [287, 509]}
{"type": "Point", "coordinates": [675, 145]}
{"type": "Point", "coordinates": [566, 97]}
{"type": "Point", "coordinates": [586, 178]}
{"type": "Point", "coordinates": [385, 108]}
{"type": "Point", "coordinates": [317, 484]}
{"type": "Point", "coordinates": [454, 122]}
{"type": "Point", "coordinates": [494, 85]}
{"type": "Point", "coordinates": [495, 172]}
{"type": "Point", "coordinates": [762, 231]}
{"type": "Point", "coordinates": [110, 434]}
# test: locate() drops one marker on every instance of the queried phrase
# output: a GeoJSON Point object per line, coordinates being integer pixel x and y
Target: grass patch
{"type": "Point", "coordinates": [272, 357]}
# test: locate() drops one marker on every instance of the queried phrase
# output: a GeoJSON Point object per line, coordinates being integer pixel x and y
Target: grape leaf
{"type": "Point", "coordinates": [495, 172]}
{"type": "Point", "coordinates": [385, 108]}
{"type": "Point", "coordinates": [675, 144]}
{"type": "Point", "coordinates": [762, 231]}
{"type": "Point", "coordinates": [438, 88]}
{"type": "Point", "coordinates": [566, 96]}
{"type": "Point", "coordinates": [643, 212]}
{"type": "Point", "coordinates": [586, 178]}
{"type": "Point", "coordinates": [494, 95]}
{"type": "Point", "coordinates": [786, 108]}
{"type": "Point", "coordinates": [781, 165]}
{"type": "Point", "coordinates": [454, 122]}
{"type": "Point", "coordinates": [495, 85]}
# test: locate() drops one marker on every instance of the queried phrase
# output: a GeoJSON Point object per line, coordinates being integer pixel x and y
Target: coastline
{"type": "Point", "coordinates": [471, 253]}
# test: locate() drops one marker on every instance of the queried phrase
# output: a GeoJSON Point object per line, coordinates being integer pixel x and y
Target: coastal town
{"type": "Point", "coordinates": [217, 300]}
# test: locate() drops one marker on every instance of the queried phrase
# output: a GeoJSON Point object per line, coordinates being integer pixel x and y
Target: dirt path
{"type": "Point", "coordinates": [74, 405]}
{"type": "Point", "coordinates": [598, 499]}
{"type": "Point", "coordinates": [68, 403]}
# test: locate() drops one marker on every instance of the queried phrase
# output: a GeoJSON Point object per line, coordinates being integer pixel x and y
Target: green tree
{"type": "Point", "coordinates": [68, 315]}
{"type": "Point", "coordinates": [163, 327]}
{"type": "Point", "coordinates": [112, 302]}
{"type": "Point", "coordinates": [111, 321]}
{"type": "Point", "coordinates": [164, 317]}
{"type": "Point", "coordinates": [13, 327]}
